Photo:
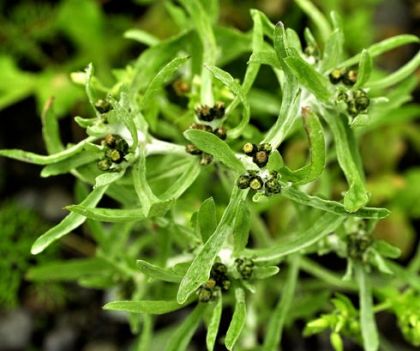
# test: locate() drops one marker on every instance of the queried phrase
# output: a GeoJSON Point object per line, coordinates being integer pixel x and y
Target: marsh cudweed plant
{"type": "Point", "coordinates": [193, 174]}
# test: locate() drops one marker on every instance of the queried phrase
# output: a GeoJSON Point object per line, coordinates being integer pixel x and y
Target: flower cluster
{"type": "Point", "coordinates": [115, 150]}
{"type": "Point", "coordinates": [245, 267]}
{"type": "Point", "coordinates": [268, 182]}
{"type": "Point", "coordinates": [218, 281]}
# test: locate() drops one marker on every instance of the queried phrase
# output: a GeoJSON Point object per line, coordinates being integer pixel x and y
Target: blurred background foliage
{"type": "Point", "coordinates": [42, 42]}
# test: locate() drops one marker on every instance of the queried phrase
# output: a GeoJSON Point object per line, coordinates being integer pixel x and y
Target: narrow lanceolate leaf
{"type": "Point", "coordinates": [382, 47]}
{"type": "Point", "coordinates": [141, 36]}
{"type": "Point", "coordinates": [69, 223]}
{"type": "Point", "coordinates": [207, 218]}
{"type": "Point", "coordinates": [333, 51]}
{"type": "Point", "coordinates": [313, 170]}
{"type": "Point", "coordinates": [213, 327]}
{"type": "Point", "coordinates": [365, 69]}
{"type": "Point", "coordinates": [303, 198]}
{"type": "Point", "coordinates": [236, 88]}
{"type": "Point", "coordinates": [182, 336]}
{"type": "Point", "coordinates": [242, 228]}
{"type": "Point", "coordinates": [30, 157]}
{"type": "Point", "coordinates": [50, 129]}
{"type": "Point", "coordinates": [349, 160]}
{"type": "Point", "coordinates": [141, 185]}
{"type": "Point", "coordinates": [264, 272]}
{"type": "Point", "coordinates": [320, 228]}
{"type": "Point", "coordinates": [275, 326]}
{"type": "Point", "coordinates": [367, 317]}
{"type": "Point", "coordinates": [252, 69]}
{"type": "Point", "coordinates": [158, 273]}
{"type": "Point", "coordinates": [108, 178]}
{"type": "Point", "coordinates": [321, 23]}
{"type": "Point", "coordinates": [316, 83]}
{"type": "Point", "coordinates": [120, 216]}
{"type": "Point", "coordinates": [161, 79]}
{"type": "Point", "coordinates": [68, 270]}
{"type": "Point", "coordinates": [89, 154]}
{"type": "Point", "coordinates": [238, 320]}
{"type": "Point", "coordinates": [145, 306]}
{"type": "Point", "coordinates": [213, 145]}
{"type": "Point", "coordinates": [182, 183]}
{"type": "Point", "coordinates": [404, 72]}
{"type": "Point", "coordinates": [199, 270]}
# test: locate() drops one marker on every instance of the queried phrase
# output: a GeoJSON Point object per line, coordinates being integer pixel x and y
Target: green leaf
{"type": "Point", "coordinates": [213, 145]}
{"type": "Point", "coordinates": [182, 183]}
{"type": "Point", "coordinates": [314, 169]}
{"type": "Point", "coordinates": [238, 320]}
{"type": "Point", "coordinates": [301, 197]}
{"type": "Point", "coordinates": [46, 160]}
{"type": "Point", "coordinates": [182, 336]}
{"type": "Point", "coordinates": [152, 60]}
{"type": "Point", "coordinates": [160, 80]}
{"type": "Point", "coordinates": [50, 129]}
{"type": "Point", "coordinates": [69, 223]}
{"type": "Point", "coordinates": [265, 57]}
{"type": "Point", "coordinates": [275, 325]}
{"type": "Point", "coordinates": [232, 43]}
{"type": "Point", "coordinates": [318, 229]}
{"type": "Point", "coordinates": [386, 249]}
{"type": "Point", "coordinates": [90, 153]}
{"type": "Point", "coordinates": [264, 272]}
{"type": "Point", "coordinates": [204, 28]}
{"type": "Point", "coordinates": [349, 160]}
{"type": "Point", "coordinates": [199, 270]}
{"type": "Point", "coordinates": [280, 41]}
{"type": "Point", "coordinates": [293, 40]}
{"type": "Point", "coordinates": [68, 270]}
{"type": "Point", "coordinates": [365, 69]}
{"type": "Point", "coordinates": [120, 216]}
{"type": "Point", "coordinates": [333, 51]}
{"type": "Point", "coordinates": [367, 317]}
{"type": "Point", "coordinates": [382, 47]}
{"type": "Point", "coordinates": [108, 178]}
{"type": "Point", "coordinates": [241, 229]}
{"type": "Point", "coordinates": [404, 72]}
{"type": "Point", "coordinates": [288, 114]}
{"type": "Point", "coordinates": [144, 193]}
{"type": "Point", "coordinates": [141, 36]}
{"type": "Point", "coordinates": [213, 327]}
{"type": "Point", "coordinates": [316, 83]}
{"type": "Point", "coordinates": [236, 88]}
{"type": "Point", "coordinates": [321, 23]}
{"type": "Point", "coordinates": [145, 306]}
{"type": "Point", "coordinates": [158, 273]}
{"type": "Point", "coordinates": [207, 218]}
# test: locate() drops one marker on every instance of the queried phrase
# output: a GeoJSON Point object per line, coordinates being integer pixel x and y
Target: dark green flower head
{"type": "Point", "coordinates": [350, 77]}
{"type": "Point", "coordinates": [245, 267]}
{"type": "Point", "coordinates": [103, 106]}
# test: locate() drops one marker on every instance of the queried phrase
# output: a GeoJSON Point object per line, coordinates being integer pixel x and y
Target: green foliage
{"type": "Point", "coordinates": [184, 232]}
{"type": "Point", "coordinates": [17, 235]}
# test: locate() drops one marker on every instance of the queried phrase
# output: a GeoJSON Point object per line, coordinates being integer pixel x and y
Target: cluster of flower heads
{"type": "Point", "coordinates": [218, 281]}
{"type": "Point", "coordinates": [207, 114]}
{"type": "Point", "coordinates": [115, 150]}
{"type": "Point", "coordinates": [357, 101]}
{"type": "Point", "coordinates": [358, 244]}
{"type": "Point", "coordinates": [257, 180]}
{"type": "Point", "coordinates": [245, 267]}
